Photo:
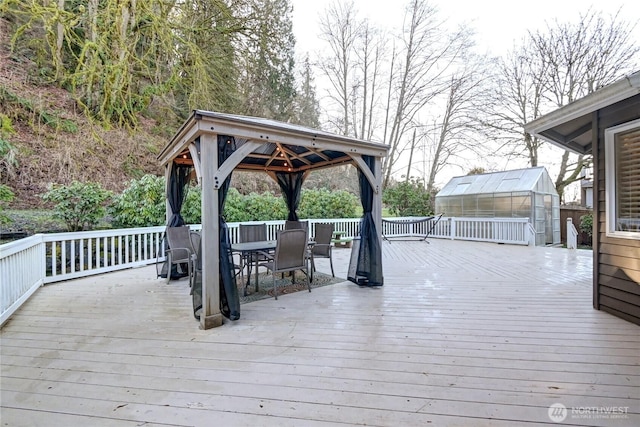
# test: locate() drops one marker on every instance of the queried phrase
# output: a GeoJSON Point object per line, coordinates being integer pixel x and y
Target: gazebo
{"type": "Point", "coordinates": [213, 145]}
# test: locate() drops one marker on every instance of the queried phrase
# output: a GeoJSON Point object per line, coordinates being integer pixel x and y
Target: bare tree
{"type": "Point", "coordinates": [557, 66]}
{"type": "Point", "coordinates": [459, 123]}
{"type": "Point", "coordinates": [370, 54]}
{"type": "Point", "coordinates": [428, 53]}
{"type": "Point", "coordinates": [340, 28]}
{"type": "Point", "coordinates": [518, 100]}
{"type": "Point", "coordinates": [578, 59]}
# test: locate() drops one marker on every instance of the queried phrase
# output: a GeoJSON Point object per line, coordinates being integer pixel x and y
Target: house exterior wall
{"type": "Point", "coordinates": [616, 260]}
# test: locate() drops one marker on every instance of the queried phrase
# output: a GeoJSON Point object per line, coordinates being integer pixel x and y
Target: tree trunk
{"type": "Point", "coordinates": [59, 43]}
{"type": "Point", "coordinates": [412, 149]}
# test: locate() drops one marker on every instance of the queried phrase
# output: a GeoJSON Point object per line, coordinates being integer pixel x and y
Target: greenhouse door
{"type": "Point", "coordinates": [540, 219]}
{"type": "Point", "coordinates": [548, 220]}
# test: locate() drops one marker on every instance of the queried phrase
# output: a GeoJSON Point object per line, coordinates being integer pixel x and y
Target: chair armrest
{"type": "Point", "coordinates": [264, 257]}
{"type": "Point", "coordinates": [321, 250]}
{"type": "Point", "coordinates": [176, 251]}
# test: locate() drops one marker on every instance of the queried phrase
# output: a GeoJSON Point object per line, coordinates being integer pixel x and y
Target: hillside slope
{"type": "Point", "coordinates": [55, 143]}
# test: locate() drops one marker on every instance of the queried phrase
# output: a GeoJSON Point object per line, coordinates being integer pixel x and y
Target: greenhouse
{"type": "Point", "coordinates": [522, 193]}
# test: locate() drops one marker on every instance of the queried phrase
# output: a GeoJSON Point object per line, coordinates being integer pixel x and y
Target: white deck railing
{"type": "Point", "coordinates": [499, 230]}
{"type": "Point", "coordinates": [22, 272]}
{"type": "Point", "coordinates": [29, 263]}
{"type": "Point", "coordinates": [572, 234]}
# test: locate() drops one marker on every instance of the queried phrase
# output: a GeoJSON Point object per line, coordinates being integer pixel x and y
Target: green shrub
{"type": "Point", "coordinates": [322, 203]}
{"type": "Point", "coordinates": [192, 206]}
{"type": "Point", "coordinates": [6, 195]}
{"type": "Point", "coordinates": [408, 198]}
{"type": "Point", "coordinates": [268, 207]}
{"type": "Point", "coordinates": [586, 224]}
{"type": "Point", "coordinates": [79, 205]}
{"type": "Point", "coordinates": [141, 204]}
{"type": "Point", "coordinates": [8, 151]}
{"type": "Point", "coordinates": [253, 207]}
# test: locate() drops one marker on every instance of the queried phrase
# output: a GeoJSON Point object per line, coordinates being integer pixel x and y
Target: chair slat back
{"type": "Point", "coordinates": [296, 225]}
{"type": "Point", "coordinates": [252, 232]}
{"type": "Point", "coordinates": [179, 237]}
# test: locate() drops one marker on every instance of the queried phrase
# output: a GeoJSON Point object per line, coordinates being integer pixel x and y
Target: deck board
{"type": "Point", "coordinates": [462, 334]}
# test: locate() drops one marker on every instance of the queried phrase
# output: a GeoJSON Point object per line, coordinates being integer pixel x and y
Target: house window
{"type": "Point", "coordinates": [622, 173]}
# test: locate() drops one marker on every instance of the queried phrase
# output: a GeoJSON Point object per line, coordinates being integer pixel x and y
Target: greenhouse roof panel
{"type": "Point", "coordinates": [531, 179]}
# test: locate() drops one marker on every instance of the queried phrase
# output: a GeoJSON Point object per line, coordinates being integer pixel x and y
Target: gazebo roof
{"type": "Point", "coordinates": [284, 147]}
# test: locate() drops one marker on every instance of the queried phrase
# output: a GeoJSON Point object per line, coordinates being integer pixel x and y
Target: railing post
{"type": "Point", "coordinates": [452, 228]}
{"type": "Point", "coordinates": [42, 254]}
{"type": "Point", "coordinates": [531, 234]}
{"type": "Point", "coordinates": [572, 235]}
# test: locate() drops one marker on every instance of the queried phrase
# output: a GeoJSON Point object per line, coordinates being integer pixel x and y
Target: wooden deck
{"type": "Point", "coordinates": [462, 334]}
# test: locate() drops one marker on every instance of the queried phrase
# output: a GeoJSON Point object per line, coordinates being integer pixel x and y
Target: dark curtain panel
{"type": "Point", "coordinates": [229, 298]}
{"type": "Point", "coordinates": [291, 186]}
{"type": "Point", "coordinates": [176, 192]}
{"type": "Point", "coordinates": [368, 270]}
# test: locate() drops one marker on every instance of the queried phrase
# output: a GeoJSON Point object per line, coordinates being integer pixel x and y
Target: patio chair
{"type": "Point", "coordinates": [180, 250]}
{"type": "Point", "coordinates": [290, 255]}
{"type": "Point", "coordinates": [251, 233]}
{"type": "Point", "coordinates": [296, 225]}
{"type": "Point", "coordinates": [299, 225]}
{"type": "Point", "coordinates": [322, 246]}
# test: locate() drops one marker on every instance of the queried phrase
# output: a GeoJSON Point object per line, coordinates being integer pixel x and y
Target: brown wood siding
{"type": "Point", "coordinates": [617, 261]}
{"type": "Point", "coordinates": [597, 208]}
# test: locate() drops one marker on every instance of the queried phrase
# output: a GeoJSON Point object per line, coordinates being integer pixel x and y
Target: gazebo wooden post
{"type": "Point", "coordinates": [210, 316]}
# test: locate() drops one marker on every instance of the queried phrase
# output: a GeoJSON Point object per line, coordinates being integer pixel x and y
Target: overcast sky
{"type": "Point", "coordinates": [498, 25]}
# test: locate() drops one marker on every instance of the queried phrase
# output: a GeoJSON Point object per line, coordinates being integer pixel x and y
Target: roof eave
{"type": "Point", "coordinates": [168, 151]}
{"type": "Point", "coordinates": [607, 95]}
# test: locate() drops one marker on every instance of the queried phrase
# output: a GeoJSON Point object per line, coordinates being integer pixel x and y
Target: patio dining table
{"type": "Point", "coordinates": [247, 249]}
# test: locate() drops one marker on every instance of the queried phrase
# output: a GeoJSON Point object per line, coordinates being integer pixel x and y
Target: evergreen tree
{"type": "Point", "coordinates": [207, 58]}
{"type": "Point", "coordinates": [307, 111]}
{"type": "Point", "coordinates": [267, 81]}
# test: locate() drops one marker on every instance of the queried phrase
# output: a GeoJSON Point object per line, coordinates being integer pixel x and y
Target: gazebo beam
{"type": "Point", "coordinates": [230, 164]}
{"type": "Point", "coordinates": [195, 156]}
{"type": "Point", "coordinates": [186, 136]}
{"type": "Point", "coordinates": [365, 169]}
